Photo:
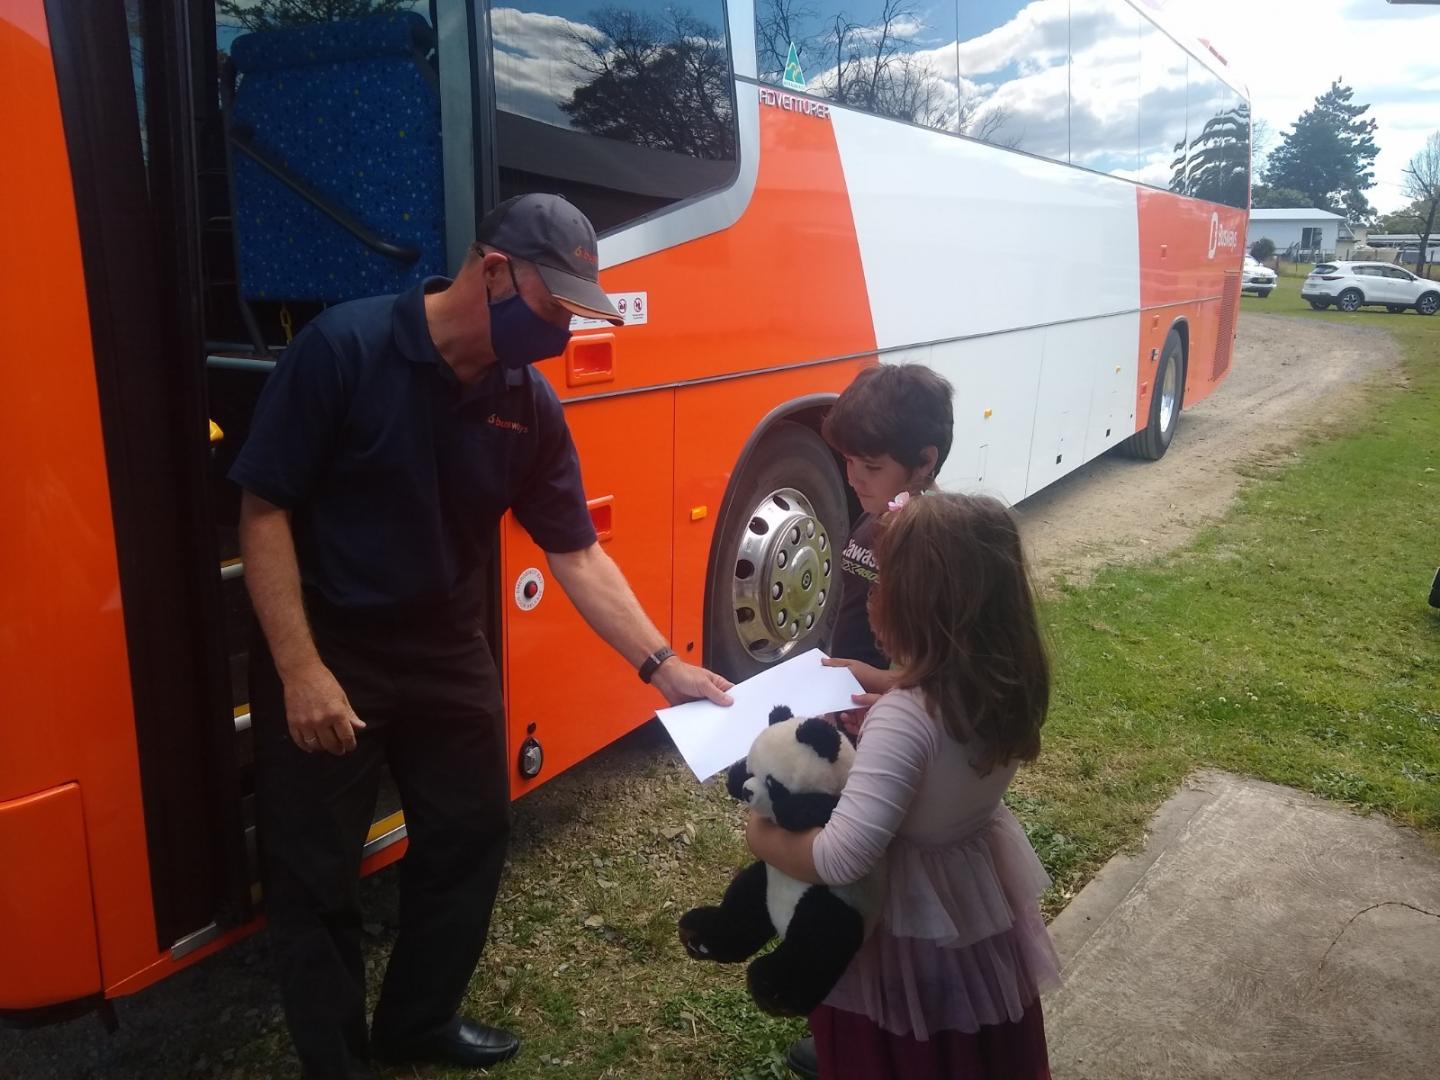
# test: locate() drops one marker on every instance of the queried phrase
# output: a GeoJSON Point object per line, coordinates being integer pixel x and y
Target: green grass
{"type": "Point", "coordinates": [1290, 642]}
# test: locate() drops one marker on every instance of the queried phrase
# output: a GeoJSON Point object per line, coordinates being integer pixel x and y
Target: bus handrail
{"type": "Point", "coordinates": [361, 232]}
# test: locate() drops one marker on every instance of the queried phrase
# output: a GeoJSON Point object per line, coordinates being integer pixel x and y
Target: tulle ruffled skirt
{"type": "Point", "coordinates": [960, 945]}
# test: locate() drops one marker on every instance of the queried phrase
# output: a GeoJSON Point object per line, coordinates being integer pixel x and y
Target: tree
{"type": "Point", "coordinates": [1329, 155]}
{"type": "Point", "coordinates": [1263, 249]}
{"type": "Point", "coordinates": [778, 25]}
{"type": "Point", "coordinates": [1408, 219]}
{"type": "Point", "coordinates": [985, 123]}
{"type": "Point", "coordinates": [1264, 197]}
{"type": "Point", "coordinates": [1262, 140]}
{"type": "Point", "coordinates": [1422, 183]}
{"type": "Point", "coordinates": [659, 83]}
{"type": "Point", "coordinates": [872, 70]}
{"type": "Point", "coordinates": [872, 66]}
{"type": "Point", "coordinates": [268, 14]}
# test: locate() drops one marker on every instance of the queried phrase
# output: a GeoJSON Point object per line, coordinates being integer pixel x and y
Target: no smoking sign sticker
{"type": "Point", "coordinates": [634, 308]}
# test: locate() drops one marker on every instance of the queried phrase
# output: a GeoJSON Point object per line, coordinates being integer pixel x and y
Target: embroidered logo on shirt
{"type": "Point", "coordinates": [507, 425]}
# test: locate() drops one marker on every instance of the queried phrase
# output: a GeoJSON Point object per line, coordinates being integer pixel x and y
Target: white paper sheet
{"type": "Point", "coordinates": [711, 737]}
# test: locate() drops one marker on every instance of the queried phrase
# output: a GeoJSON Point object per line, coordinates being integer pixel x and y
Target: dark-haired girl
{"type": "Point", "coordinates": [948, 985]}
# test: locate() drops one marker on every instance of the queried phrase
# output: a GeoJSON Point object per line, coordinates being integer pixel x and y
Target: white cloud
{"type": "Point", "coordinates": [1288, 51]}
{"type": "Point", "coordinates": [536, 64]}
{"type": "Point", "coordinates": [1037, 37]}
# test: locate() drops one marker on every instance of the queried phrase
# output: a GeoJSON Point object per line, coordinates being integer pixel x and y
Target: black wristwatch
{"type": "Point", "coordinates": [653, 661]}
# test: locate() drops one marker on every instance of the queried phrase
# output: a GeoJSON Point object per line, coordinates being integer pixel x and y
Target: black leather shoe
{"type": "Point", "coordinates": [802, 1058]}
{"type": "Point", "coordinates": [464, 1043]}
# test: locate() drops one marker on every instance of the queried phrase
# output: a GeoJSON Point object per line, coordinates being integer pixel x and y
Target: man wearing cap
{"type": "Point", "coordinates": [391, 437]}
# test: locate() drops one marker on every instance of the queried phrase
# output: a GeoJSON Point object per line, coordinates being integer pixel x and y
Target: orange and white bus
{"type": "Point", "coordinates": [1042, 199]}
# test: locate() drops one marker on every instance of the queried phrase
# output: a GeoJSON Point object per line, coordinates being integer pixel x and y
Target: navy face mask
{"type": "Point", "coordinates": [519, 336]}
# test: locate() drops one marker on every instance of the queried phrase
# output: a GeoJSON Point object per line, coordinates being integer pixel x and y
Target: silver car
{"type": "Point", "coordinates": [1257, 278]}
{"type": "Point", "coordinates": [1353, 285]}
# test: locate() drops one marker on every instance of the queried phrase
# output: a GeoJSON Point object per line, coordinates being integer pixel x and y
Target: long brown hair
{"type": "Point", "coordinates": [955, 610]}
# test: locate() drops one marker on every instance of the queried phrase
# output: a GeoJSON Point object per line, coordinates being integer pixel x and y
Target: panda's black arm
{"type": "Point", "coordinates": [738, 927]}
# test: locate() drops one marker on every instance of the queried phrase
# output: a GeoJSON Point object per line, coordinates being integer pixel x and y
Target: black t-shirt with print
{"type": "Point", "coordinates": [853, 639]}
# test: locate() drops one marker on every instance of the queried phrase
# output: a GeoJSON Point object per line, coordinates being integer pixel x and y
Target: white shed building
{"type": "Point", "coordinates": [1296, 233]}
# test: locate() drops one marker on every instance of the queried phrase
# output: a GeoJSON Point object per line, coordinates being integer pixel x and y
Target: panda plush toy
{"type": "Point", "coordinates": [793, 775]}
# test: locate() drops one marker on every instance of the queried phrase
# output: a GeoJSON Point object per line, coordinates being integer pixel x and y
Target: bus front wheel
{"type": "Point", "coordinates": [775, 580]}
{"type": "Point", "coordinates": [1151, 442]}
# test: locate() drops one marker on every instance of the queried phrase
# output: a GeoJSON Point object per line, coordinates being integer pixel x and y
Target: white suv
{"type": "Point", "coordinates": [1352, 285]}
{"type": "Point", "coordinates": [1257, 278]}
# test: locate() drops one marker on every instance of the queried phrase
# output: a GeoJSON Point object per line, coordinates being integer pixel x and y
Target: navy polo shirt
{"type": "Point", "coordinates": [396, 474]}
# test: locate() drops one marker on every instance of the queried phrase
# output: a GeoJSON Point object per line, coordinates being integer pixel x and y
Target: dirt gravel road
{"type": "Point", "coordinates": [1291, 376]}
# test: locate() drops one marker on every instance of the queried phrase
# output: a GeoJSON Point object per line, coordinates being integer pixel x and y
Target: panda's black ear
{"type": "Point", "coordinates": [821, 736]}
{"type": "Point", "coordinates": [780, 713]}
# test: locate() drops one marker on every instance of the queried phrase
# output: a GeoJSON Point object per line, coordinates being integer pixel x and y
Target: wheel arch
{"type": "Point", "coordinates": [808, 411]}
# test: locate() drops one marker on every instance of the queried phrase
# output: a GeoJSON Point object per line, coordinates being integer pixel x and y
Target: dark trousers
{"type": "Point", "coordinates": [430, 698]}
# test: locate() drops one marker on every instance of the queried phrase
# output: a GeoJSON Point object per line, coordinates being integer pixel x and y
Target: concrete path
{"type": "Point", "coordinates": [1261, 934]}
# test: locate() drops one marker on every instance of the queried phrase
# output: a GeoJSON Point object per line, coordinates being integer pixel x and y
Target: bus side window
{"type": "Point", "coordinates": [1218, 158]}
{"type": "Point", "coordinates": [893, 58]}
{"type": "Point", "coordinates": [1014, 74]}
{"type": "Point", "coordinates": [1164, 75]}
{"type": "Point", "coordinates": [135, 26]}
{"type": "Point", "coordinates": [625, 110]}
{"type": "Point", "coordinates": [332, 131]}
{"type": "Point", "coordinates": [1105, 87]}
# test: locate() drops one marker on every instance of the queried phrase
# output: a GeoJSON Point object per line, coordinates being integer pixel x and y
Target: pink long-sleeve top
{"type": "Point", "coordinates": [911, 779]}
{"type": "Point", "coordinates": [960, 943]}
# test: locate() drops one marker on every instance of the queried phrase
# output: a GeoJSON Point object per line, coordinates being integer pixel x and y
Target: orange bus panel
{"type": "Point", "coordinates": [64, 668]}
{"type": "Point", "coordinates": [47, 927]}
{"type": "Point", "coordinates": [1186, 247]}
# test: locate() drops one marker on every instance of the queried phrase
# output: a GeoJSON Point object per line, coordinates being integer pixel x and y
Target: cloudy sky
{"type": "Point", "coordinates": [1288, 51]}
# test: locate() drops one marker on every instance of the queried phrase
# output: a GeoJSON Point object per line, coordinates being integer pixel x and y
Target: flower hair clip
{"type": "Point", "coordinates": [899, 502]}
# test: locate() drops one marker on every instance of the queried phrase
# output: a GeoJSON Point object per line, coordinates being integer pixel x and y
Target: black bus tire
{"type": "Point", "coordinates": [1151, 442]}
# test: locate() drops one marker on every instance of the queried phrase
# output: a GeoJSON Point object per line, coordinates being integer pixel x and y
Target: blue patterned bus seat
{"type": "Point", "coordinates": [347, 108]}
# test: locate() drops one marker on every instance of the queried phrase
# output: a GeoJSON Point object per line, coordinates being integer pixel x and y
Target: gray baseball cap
{"type": "Point", "coordinates": [548, 231]}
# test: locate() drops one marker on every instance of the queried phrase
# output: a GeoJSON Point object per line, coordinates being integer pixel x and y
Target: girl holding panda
{"type": "Point", "coordinates": [948, 985]}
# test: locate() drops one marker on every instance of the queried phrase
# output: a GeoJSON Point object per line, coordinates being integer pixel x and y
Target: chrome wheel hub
{"type": "Point", "coordinates": [1169, 396]}
{"type": "Point", "coordinates": [783, 575]}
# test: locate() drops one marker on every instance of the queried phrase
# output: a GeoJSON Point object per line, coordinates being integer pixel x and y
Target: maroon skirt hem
{"type": "Point", "coordinates": [854, 1047]}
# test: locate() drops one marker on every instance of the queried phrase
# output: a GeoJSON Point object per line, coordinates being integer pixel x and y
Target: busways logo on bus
{"type": "Point", "coordinates": [1220, 236]}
